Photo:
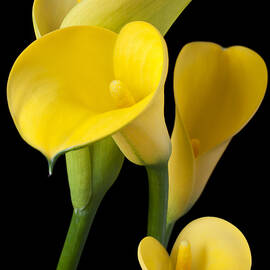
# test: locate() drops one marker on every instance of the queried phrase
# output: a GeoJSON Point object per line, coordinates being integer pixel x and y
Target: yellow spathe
{"type": "Point", "coordinates": [49, 15]}
{"type": "Point", "coordinates": [216, 91]}
{"type": "Point", "coordinates": [60, 89]}
{"type": "Point", "coordinates": [207, 243]}
{"type": "Point", "coordinates": [148, 133]}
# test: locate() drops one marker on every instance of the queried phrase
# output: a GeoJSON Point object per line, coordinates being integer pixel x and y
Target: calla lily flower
{"type": "Point", "coordinates": [217, 91]}
{"type": "Point", "coordinates": [206, 243]}
{"type": "Point", "coordinates": [49, 15]}
{"type": "Point", "coordinates": [80, 84]}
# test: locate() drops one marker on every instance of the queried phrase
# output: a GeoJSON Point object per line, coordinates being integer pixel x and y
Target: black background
{"type": "Point", "coordinates": [36, 209]}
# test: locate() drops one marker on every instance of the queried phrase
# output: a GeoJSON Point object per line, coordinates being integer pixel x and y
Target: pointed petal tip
{"type": "Point", "coordinates": [51, 162]}
{"type": "Point", "coordinates": [50, 168]}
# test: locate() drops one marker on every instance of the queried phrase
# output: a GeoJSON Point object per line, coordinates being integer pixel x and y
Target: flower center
{"type": "Point", "coordinates": [184, 256]}
{"type": "Point", "coordinates": [196, 147]}
{"type": "Point", "coordinates": [78, 1]}
{"type": "Point", "coordinates": [121, 95]}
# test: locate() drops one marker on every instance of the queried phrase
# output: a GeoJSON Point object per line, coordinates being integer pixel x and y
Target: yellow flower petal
{"type": "Point", "coordinates": [216, 91]}
{"type": "Point", "coordinates": [49, 14]}
{"type": "Point", "coordinates": [144, 70]}
{"type": "Point", "coordinates": [58, 86]}
{"type": "Point", "coordinates": [187, 175]}
{"type": "Point", "coordinates": [146, 139]}
{"type": "Point", "coordinates": [152, 255]}
{"type": "Point", "coordinates": [181, 172]}
{"type": "Point", "coordinates": [59, 89]}
{"type": "Point", "coordinates": [215, 244]}
{"type": "Point", "coordinates": [205, 165]}
{"type": "Point", "coordinates": [114, 14]}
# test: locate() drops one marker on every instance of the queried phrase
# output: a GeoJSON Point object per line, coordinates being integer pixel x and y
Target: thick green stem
{"type": "Point", "coordinates": [158, 201]}
{"type": "Point", "coordinates": [77, 234]}
{"type": "Point", "coordinates": [169, 230]}
{"type": "Point", "coordinates": [91, 171]}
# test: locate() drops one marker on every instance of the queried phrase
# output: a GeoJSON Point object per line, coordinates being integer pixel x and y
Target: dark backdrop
{"type": "Point", "coordinates": [36, 209]}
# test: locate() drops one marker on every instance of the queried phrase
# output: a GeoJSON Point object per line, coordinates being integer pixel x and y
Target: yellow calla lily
{"type": "Point", "coordinates": [217, 91]}
{"type": "Point", "coordinates": [206, 243]}
{"type": "Point", "coordinates": [80, 84]}
{"type": "Point", "coordinates": [49, 15]}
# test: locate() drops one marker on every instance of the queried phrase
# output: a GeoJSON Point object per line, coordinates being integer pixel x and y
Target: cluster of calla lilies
{"type": "Point", "coordinates": [92, 87]}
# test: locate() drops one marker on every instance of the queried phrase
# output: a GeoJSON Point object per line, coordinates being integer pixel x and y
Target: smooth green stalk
{"type": "Point", "coordinates": [92, 170]}
{"type": "Point", "coordinates": [158, 201]}
{"type": "Point", "coordinates": [169, 230]}
{"type": "Point", "coordinates": [77, 235]}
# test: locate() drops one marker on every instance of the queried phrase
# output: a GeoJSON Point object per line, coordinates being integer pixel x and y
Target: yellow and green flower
{"type": "Point", "coordinates": [80, 84]}
{"type": "Point", "coordinates": [49, 15]}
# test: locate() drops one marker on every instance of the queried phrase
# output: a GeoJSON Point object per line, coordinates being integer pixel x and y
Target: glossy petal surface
{"type": "Point", "coordinates": [217, 91]}
{"type": "Point", "coordinates": [215, 244]}
{"type": "Point", "coordinates": [58, 89]}
{"type": "Point", "coordinates": [152, 255]}
{"type": "Point", "coordinates": [144, 70]}
{"type": "Point", "coordinates": [181, 172]}
{"type": "Point", "coordinates": [146, 139]}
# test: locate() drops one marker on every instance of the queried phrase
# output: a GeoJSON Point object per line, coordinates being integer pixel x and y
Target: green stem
{"type": "Point", "coordinates": [158, 201]}
{"type": "Point", "coordinates": [169, 230]}
{"type": "Point", "coordinates": [77, 234]}
{"type": "Point", "coordinates": [79, 170]}
{"type": "Point", "coordinates": [91, 172]}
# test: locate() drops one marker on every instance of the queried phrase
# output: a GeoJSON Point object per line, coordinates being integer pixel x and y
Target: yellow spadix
{"type": "Point", "coordinates": [207, 243]}
{"type": "Point", "coordinates": [77, 85]}
{"type": "Point", "coordinates": [217, 91]}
